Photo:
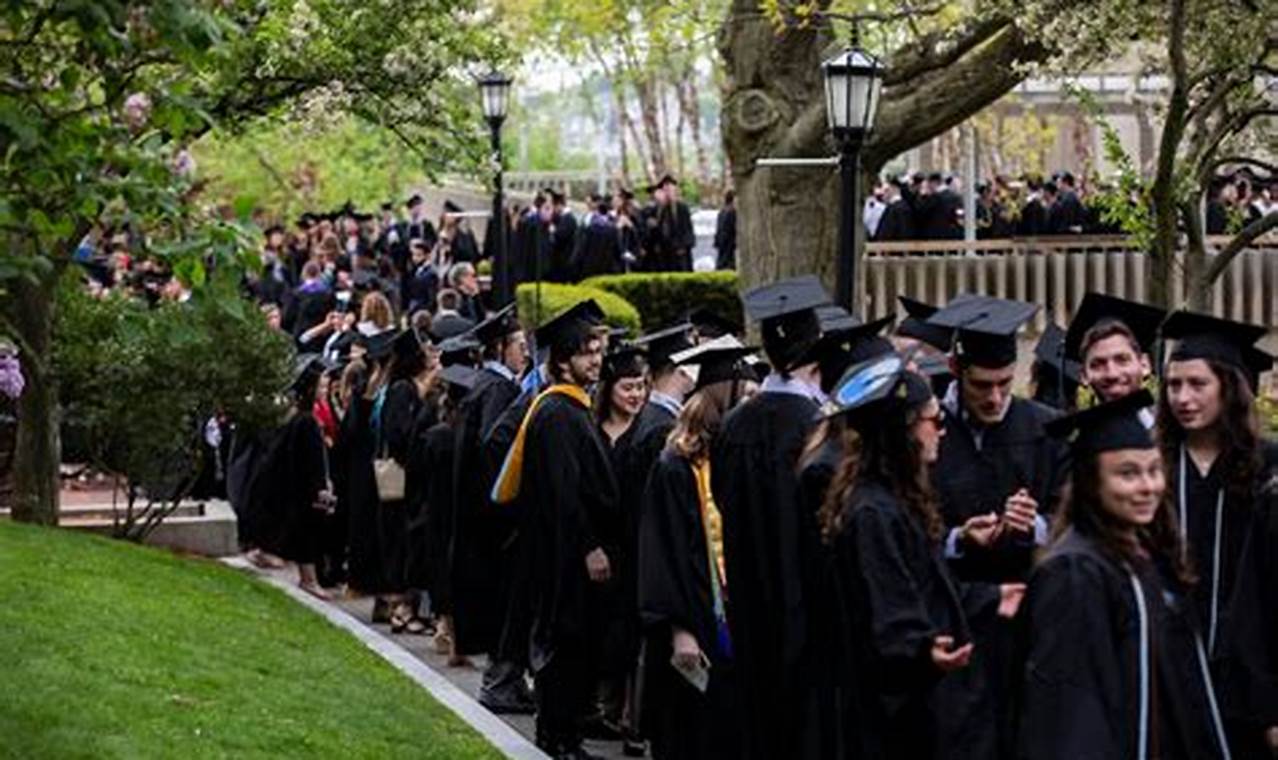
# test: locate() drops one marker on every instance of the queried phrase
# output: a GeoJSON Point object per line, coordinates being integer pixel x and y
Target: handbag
{"type": "Point", "coordinates": [388, 473]}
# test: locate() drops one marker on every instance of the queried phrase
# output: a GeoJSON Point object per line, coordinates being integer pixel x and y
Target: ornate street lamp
{"type": "Point", "coordinates": [853, 80]}
{"type": "Point", "coordinates": [494, 95]}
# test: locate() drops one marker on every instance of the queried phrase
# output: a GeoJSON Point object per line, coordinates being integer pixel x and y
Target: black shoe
{"type": "Point", "coordinates": [577, 753]}
{"type": "Point", "coordinates": [634, 748]}
{"type": "Point", "coordinates": [508, 705]}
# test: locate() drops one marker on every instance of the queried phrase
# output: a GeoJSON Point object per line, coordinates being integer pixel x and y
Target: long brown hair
{"type": "Point", "coordinates": [1082, 511]}
{"type": "Point", "coordinates": [1241, 452]}
{"type": "Point", "coordinates": [884, 451]}
{"type": "Point", "coordinates": [700, 419]}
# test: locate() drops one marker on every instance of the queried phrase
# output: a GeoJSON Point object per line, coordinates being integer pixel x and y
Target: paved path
{"type": "Point", "coordinates": [467, 680]}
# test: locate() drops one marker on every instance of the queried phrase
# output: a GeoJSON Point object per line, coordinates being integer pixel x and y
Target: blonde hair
{"type": "Point", "coordinates": [376, 308]}
{"type": "Point", "coordinates": [700, 419]}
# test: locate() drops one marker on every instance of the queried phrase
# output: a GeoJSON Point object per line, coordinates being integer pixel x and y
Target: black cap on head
{"type": "Point", "coordinates": [306, 219]}
{"type": "Point", "coordinates": [625, 361]}
{"type": "Point", "coordinates": [874, 388]}
{"type": "Point", "coordinates": [1111, 426]}
{"type": "Point", "coordinates": [721, 359]}
{"type": "Point", "coordinates": [1050, 351]}
{"type": "Point", "coordinates": [917, 327]}
{"type": "Point", "coordinates": [844, 347]}
{"type": "Point", "coordinates": [666, 179]}
{"type": "Point", "coordinates": [407, 346]}
{"type": "Point", "coordinates": [378, 346]}
{"type": "Point", "coordinates": [571, 327]}
{"type": "Point", "coordinates": [1201, 336]}
{"type": "Point", "coordinates": [497, 326]}
{"type": "Point", "coordinates": [788, 319]}
{"type": "Point", "coordinates": [832, 318]}
{"type": "Point", "coordinates": [451, 208]}
{"type": "Point", "coordinates": [307, 369]}
{"type": "Point", "coordinates": [710, 324]}
{"type": "Point", "coordinates": [663, 344]}
{"type": "Point", "coordinates": [388, 206]}
{"type": "Point", "coordinates": [414, 200]}
{"type": "Point", "coordinates": [986, 328]}
{"type": "Point", "coordinates": [459, 376]}
{"type": "Point", "coordinates": [1099, 309]}
{"type": "Point", "coordinates": [459, 349]}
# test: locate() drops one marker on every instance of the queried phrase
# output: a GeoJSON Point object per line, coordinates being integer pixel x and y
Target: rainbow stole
{"type": "Point", "coordinates": [506, 486]}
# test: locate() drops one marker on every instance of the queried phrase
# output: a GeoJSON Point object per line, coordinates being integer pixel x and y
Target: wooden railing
{"type": "Point", "coordinates": [1056, 272]}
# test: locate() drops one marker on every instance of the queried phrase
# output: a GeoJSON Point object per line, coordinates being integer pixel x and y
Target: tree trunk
{"type": "Point", "coordinates": [38, 449]}
{"type": "Point", "coordinates": [774, 106]}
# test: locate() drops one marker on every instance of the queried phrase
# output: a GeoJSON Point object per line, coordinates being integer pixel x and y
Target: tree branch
{"type": "Point", "coordinates": [937, 50]}
{"type": "Point", "coordinates": [1244, 238]}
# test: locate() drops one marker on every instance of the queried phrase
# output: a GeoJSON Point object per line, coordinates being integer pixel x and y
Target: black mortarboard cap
{"type": "Point", "coordinates": [443, 329]}
{"type": "Point", "coordinates": [710, 324]}
{"type": "Point", "coordinates": [1051, 352]}
{"type": "Point", "coordinates": [663, 344]}
{"type": "Point", "coordinates": [717, 363]}
{"type": "Point", "coordinates": [459, 376]}
{"type": "Point", "coordinates": [916, 325]}
{"type": "Point", "coordinates": [388, 206]}
{"type": "Point", "coordinates": [844, 347]}
{"type": "Point", "coordinates": [571, 326]}
{"type": "Point", "coordinates": [787, 315]}
{"type": "Point", "coordinates": [1098, 308]}
{"type": "Point", "coordinates": [459, 349]}
{"type": "Point", "coordinates": [307, 368]}
{"type": "Point", "coordinates": [832, 318]}
{"type": "Point", "coordinates": [451, 208]}
{"type": "Point", "coordinates": [379, 345]}
{"type": "Point", "coordinates": [666, 179]}
{"type": "Point", "coordinates": [414, 200]}
{"type": "Point", "coordinates": [1201, 336]}
{"type": "Point", "coordinates": [625, 361]}
{"type": "Point", "coordinates": [498, 325]}
{"type": "Point", "coordinates": [407, 346]}
{"type": "Point", "coordinates": [874, 388]}
{"type": "Point", "coordinates": [1112, 426]}
{"type": "Point", "coordinates": [306, 219]}
{"type": "Point", "coordinates": [986, 328]}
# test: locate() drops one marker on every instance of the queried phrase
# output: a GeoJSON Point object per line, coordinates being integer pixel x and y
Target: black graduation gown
{"type": "Point", "coordinates": [292, 479]}
{"type": "Point", "coordinates": [399, 414]}
{"type": "Point", "coordinates": [363, 507]}
{"type": "Point", "coordinates": [515, 554]}
{"type": "Point", "coordinates": [419, 472]}
{"type": "Point", "coordinates": [675, 592]}
{"type": "Point", "coordinates": [1033, 219]}
{"type": "Point", "coordinates": [772, 553]}
{"type": "Point", "coordinates": [438, 450]}
{"type": "Point", "coordinates": [465, 247]}
{"type": "Point", "coordinates": [897, 222]}
{"type": "Point", "coordinates": [598, 249]}
{"type": "Point", "coordinates": [725, 239]}
{"type": "Point", "coordinates": [895, 596]}
{"type": "Point", "coordinates": [1081, 690]}
{"type": "Point", "coordinates": [972, 480]}
{"type": "Point", "coordinates": [619, 646]}
{"type": "Point", "coordinates": [1238, 622]}
{"type": "Point", "coordinates": [477, 527]}
{"type": "Point", "coordinates": [570, 496]}
{"type": "Point", "coordinates": [531, 250]}
{"type": "Point", "coordinates": [563, 241]}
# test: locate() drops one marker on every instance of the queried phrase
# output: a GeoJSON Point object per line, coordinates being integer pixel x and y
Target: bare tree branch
{"type": "Point", "coordinates": [1244, 238]}
{"type": "Point", "coordinates": [937, 50]}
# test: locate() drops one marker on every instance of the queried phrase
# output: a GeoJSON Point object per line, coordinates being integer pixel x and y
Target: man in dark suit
{"type": "Point", "coordinates": [1066, 215]}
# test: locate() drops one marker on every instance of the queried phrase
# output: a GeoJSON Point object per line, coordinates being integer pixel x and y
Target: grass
{"type": "Point", "coordinates": [111, 650]}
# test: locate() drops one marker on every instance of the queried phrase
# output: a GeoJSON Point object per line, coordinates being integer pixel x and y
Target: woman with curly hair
{"type": "Point", "coordinates": [1114, 666]}
{"type": "Point", "coordinates": [1218, 467]}
{"type": "Point", "coordinates": [902, 614]}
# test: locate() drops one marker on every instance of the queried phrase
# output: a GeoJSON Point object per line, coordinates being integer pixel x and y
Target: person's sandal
{"type": "Point", "coordinates": [415, 627]}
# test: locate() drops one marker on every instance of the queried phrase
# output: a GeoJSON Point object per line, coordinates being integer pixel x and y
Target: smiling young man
{"type": "Point", "coordinates": [1111, 338]}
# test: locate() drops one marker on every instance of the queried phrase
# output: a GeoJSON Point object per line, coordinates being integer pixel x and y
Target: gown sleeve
{"type": "Point", "coordinates": [901, 630]}
{"type": "Point", "coordinates": [668, 550]}
{"type": "Point", "coordinates": [398, 417]}
{"type": "Point", "coordinates": [1072, 695]}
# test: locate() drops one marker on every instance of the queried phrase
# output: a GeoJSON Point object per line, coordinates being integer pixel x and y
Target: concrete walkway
{"type": "Point", "coordinates": [456, 688]}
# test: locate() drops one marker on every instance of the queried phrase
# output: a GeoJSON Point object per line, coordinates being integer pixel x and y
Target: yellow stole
{"type": "Point", "coordinates": [506, 487]}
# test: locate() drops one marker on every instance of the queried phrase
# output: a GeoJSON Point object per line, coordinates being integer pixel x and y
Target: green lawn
{"type": "Point", "coordinates": [109, 650]}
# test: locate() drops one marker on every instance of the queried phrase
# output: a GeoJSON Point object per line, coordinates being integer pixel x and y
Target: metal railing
{"type": "Point", "coordinates": [1056, 273]}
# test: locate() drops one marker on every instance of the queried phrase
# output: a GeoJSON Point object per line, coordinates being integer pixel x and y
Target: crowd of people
{"type": "Point", "coordinates": [851, 541]}
{"type": "Point", "coordinates": [930, 206]}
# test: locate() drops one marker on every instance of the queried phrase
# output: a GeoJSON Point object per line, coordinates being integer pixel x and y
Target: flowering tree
{"type": "Point", "coordinates": [99, 99]}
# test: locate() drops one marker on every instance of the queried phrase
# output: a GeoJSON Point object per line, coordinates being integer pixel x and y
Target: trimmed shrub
{"type": "Point", "coordinates": [663, 298]}
{"type": "Point", "coordinates": [557, 298]}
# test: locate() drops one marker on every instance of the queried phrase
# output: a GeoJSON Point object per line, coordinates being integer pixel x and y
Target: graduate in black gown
{"type": "Point", "coordinates": [1114, 663]}
{"type": "Point", "coordinates": [295, 480]}
{"type": "Point", "coordinates": [559, 471]}
{"type": "Point", "coordinates": [1220, 474]}
{"type": "Point", "coordinates": [772, 546]}
{"type": "Point", "coordinates": [359, 446]}
{"type": "Point", "coordinates": [622, 393]}
{"type": "Point", "coordinates": [431, 533]}
{"type": "Point", "coordinates": [689, 685]}
{"type": "Point", "coordinates": [904, 634]}
{"type": "Point", "coordinates": [479, 531]}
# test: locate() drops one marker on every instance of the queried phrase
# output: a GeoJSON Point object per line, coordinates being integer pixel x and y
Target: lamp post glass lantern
{"type": "Point", "coordinates": [853, 80]}
{"type": "Point", "coordinates": [494, 97]}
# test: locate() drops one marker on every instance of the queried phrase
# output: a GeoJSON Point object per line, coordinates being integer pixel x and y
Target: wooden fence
{"type": "Point", "coordinates": [1056, 273]}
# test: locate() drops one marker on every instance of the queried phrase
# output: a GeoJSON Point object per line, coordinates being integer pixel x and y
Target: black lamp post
{"type": "Point", "coordinates": [494, 92]}
{"type": "Point", "coordinates": [853, 79]}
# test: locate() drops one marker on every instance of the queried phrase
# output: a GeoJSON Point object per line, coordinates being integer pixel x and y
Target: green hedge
{"type": "Point", "coordinates": [556, 299]}
{"type": "Point", "coordinates": [664, 297]}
